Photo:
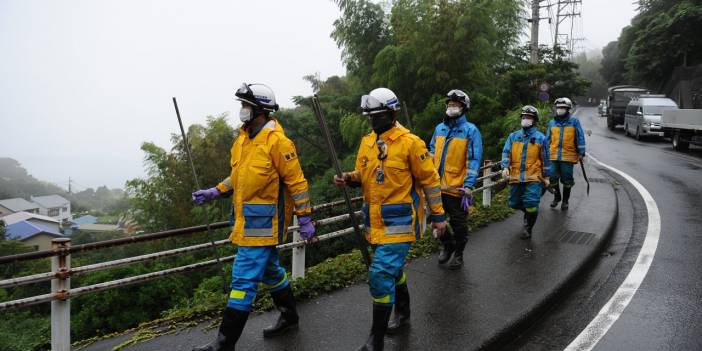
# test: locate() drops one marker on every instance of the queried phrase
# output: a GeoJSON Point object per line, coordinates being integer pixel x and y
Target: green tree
{"type": "Point", "coordinates": [589, 68]}
{"type": "Point", "coordinates": [162, 199]}
{"type": "Point", "coordinates": [662, 36]}
{"type": "Point", "coordinates": [612, 69]}
{"type": "Point", "coordinates": [361, 32]}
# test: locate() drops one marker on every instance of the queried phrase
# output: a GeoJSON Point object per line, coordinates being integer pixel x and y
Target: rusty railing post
{"type": "Point", "coordinates": [487, 193]}
{"type": "Point", "coordinates": [298, 254]}
{"type": "Point", "coordinates": [60, 285]}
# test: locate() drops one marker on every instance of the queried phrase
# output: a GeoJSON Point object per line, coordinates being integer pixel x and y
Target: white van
{"type": "Point", "coordinates": [643, 115]}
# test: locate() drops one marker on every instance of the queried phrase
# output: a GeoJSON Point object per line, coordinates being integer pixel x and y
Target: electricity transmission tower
{"type": "Point", "coordinates": [568, 26]}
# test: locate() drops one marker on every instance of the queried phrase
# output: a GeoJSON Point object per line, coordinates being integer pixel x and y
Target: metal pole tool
{"type": "Point", "coordinates": [197, 182]}
{"type": "Point", "coordinates": [361, 241]}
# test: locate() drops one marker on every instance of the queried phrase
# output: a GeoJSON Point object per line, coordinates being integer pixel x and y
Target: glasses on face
{"type": "Point", "coordinates": [455, 94]}
{"type": "Point", "coordinates": [370, 103]}
{"type": "Point", "coordinates": [243, 89]}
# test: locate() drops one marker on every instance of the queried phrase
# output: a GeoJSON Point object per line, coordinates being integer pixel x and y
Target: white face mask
{"type": "Point", "coordinates": [527, 122]}
{"type": "Point", "coordinates": [245, 114]}
{"type": "Point", "coordinates": [453, 111]}
{"type": "Point", "coordinates": [561, 111]}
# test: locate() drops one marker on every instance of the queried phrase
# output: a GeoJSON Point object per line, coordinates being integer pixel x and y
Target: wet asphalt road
{"type": "Point", "coordinates": [666, 312]}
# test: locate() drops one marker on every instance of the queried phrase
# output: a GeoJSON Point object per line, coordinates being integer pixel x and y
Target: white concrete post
{"type": "Point", "coordinates": [61, 309]}
{"type": "Point", "coordinates": [298, 254]}
{"type": "Point", "coordinates": [487, 193]}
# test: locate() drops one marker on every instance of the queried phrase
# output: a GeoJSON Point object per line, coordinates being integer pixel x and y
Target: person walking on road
{"type": "Point", "coordinates": [267, 185]}
{"type": "Point", "coordinates": [567, 142]}
{"type": "Point", "coordinates": [457, 150]}
{"type": "Point", "coordinates": [393, 167]}
{"type": "Point", "coordinates": [525, 163]}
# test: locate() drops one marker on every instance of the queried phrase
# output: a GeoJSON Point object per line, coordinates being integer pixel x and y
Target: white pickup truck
{"type": "Point", "coordinates": [683, 127]}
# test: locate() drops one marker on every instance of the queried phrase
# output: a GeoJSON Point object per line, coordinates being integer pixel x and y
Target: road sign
{"type": "Point", "coordinates": [544, 87]}
{"type": "Point", "coordinates": [543, 96]}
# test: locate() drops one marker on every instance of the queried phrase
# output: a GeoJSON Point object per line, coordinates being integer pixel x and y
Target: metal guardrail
{"type": "Point", "coordinates": [61, 251]}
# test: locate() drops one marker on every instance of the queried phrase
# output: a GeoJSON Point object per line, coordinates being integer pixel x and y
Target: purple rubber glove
{"type": "Point", "coordinates": [306, 227]}
{"type": "Point", "coordinates": [203, 195]}
{"type": "Point", "coordinates": [467, 199]}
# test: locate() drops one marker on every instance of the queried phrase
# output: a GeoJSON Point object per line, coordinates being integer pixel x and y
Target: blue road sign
{"type": "Point", "coordinates": [543, 96]}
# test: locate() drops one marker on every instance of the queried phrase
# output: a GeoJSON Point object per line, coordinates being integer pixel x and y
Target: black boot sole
{"type": "Point", "coordinates": [281, 331]}
{"type": "Point", "coordinates": [446, 260]}
{"type": "Point", "coordinates": [393, 330]}
{"type": "Point", "coordinates": [455, 267]}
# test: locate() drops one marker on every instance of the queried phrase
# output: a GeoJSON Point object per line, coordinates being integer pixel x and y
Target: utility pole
{"type": "Point", "coordinates": [534, 31]}
{"type": "Point", "coordinates": [69, 184]}
{"type": "Point", "coordinates": [534, 20]}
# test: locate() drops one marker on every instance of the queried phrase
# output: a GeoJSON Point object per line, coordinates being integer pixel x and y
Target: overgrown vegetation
{"type": "Point", "coordinates": [662, 36]}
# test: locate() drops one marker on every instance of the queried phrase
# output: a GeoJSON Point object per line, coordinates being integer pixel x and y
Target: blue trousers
{"type": "Point", "coordinates": [254, 265]}
{"type": "Point", "coordinates": [525, 196]}
{"type": "Point", "coordinates": [386, 271]}
{"type": "Point", "coordinates": [562, 171]}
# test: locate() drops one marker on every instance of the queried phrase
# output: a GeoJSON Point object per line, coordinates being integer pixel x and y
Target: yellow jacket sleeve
{"type": "Point", "coordinates": [423, 171]}
{"type": "Point", "coordinates": [287, 164]}
{"type": "Point", "coordinates": [225, 186]}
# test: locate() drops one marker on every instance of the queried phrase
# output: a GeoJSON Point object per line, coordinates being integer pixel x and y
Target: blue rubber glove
{"type": "Point", "coordinates": [306, 227]}
{"type": "Point", "coordinates": [203, 195]}
{"type": "Point", "coordinates": [467, 199]}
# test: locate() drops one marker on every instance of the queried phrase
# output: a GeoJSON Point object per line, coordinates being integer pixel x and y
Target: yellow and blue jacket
{"type": "Point", "coordinates": [266, 184]}
{"type": "Point", "coordinates": [393, 207]}
{"type": "Point", "coordinates": [457, 150]}
{"type": "Point", "coordinates": [566, 138]}
{"type": "Point", "coordinates": [526, 153]}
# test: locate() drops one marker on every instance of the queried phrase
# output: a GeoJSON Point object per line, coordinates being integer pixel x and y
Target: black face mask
{"type": "Point", "coordinates": [382, 122]}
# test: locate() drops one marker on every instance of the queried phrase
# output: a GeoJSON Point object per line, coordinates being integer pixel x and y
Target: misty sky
{"type": "Point", "coordinates": [84, 83]}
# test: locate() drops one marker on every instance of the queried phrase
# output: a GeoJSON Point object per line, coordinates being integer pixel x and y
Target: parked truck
{"type": "Point", "coordinates": [618, 98]}
{"type": "Point", "coordinates": [683, 127]}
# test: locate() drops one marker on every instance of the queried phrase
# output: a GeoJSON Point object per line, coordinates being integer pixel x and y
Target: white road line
{"type": "Point", "coordinates": [598, 327]}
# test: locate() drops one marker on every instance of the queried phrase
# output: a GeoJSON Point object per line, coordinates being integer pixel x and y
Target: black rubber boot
{"type": "Point", "coordinates": [529, 221]}
{"type": "Point", "coordinates": [233, 322]}
{"type": "Point", "coordinates": [457, 260]}
{"type": "Point", "coordinates": [556, 195]}
{"type": "Point", "coordinates": [285, 302]}
{"type": "Point", "coordinates": [381, 315]}
{"type": "Point", "coordinates": [566, 197]}
{"type": "Point", "coordinates": [446, 251]}
{"type": "Point", "coordinates": [401, 318]}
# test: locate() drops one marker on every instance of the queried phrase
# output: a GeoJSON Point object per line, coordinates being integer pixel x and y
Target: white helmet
{"type": "Point", "coordinates": [379, 100]}
{"type": "Point", "coordinates": [258, 95]}
{"type": "Point", "coordinates": [458, 96]}
{"type": "Point", "coordinates": [563, 102]}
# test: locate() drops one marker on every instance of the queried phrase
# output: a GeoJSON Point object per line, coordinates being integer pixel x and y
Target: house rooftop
{"type": "Point", "coordinates": [23, 216]}
{"type": "Point", "coordinates": [98, 227]}
{"type": "Point", "coordinates": [24, 230]}
{"type": "Point", "coordinates": [18, 204]}
{"type": "Point", "coordinates": [50, 201]}
{"type": "Point", "coordinates": [87, 219]}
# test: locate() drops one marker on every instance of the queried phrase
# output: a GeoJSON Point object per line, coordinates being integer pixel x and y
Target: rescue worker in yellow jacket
{"type": "Point", "coordinates": [267, 186]}
{"type": "Point", "coordinates": [397, 175]}
{"type": "Point", "coordinates": [457, 149]}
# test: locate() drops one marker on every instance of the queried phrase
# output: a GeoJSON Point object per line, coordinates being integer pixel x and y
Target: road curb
{"type": "Point", "coordinates": [515, 328]}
